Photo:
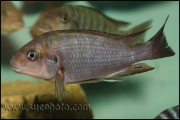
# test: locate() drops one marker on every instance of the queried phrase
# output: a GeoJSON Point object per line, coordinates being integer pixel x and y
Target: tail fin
{"type": "Point", "coordinates": [158, 45]}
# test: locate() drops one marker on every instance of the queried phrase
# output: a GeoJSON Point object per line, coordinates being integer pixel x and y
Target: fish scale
{"type": "Point", "coordinates": [105, 51]}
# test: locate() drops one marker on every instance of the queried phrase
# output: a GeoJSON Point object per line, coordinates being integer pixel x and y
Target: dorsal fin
{"type": "Point", "coordinates": [129, 38]}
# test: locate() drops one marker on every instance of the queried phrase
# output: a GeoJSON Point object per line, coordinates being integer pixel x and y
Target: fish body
{"type": "Point", "coordinates": [170, 113]}
{"type": "Point", "coordinates": [11, 18]}
{"type": "Point", "coordinates": [80, 17]}
{"type": "Point", "coordinates": [70, 56]}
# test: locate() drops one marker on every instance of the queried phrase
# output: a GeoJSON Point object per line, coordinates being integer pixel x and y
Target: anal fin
{"type": "Point", "coordinates": [95, 81]}
{"type": "Point", "coordinates": [111, 80]}
{"type": "Point", "coordinates": [132, 69]}
{"type": "Point", "coordinates": [86, 81]}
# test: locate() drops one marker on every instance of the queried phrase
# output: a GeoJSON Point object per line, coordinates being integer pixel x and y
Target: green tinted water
{"type": "Point", "coordinates": [139, 96]}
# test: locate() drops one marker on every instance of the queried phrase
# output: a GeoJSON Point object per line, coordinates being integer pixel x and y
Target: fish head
{"type": "Point", "coordinates": [11, 19]}
{"type": "Point", "coordinates": [51, 20]}
{"type": "Point", "coordinates": [36, 60]}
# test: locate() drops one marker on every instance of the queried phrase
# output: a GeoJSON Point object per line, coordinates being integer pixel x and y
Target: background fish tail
{"type": "Point", "coordinates": [157, 46]}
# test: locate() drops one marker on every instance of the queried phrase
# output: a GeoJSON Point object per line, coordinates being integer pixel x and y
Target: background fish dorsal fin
{"type": "Point", "coordinates": [134, 38]}
{"type": "Point", "coordinates": [139, 27]}
{"type": "Point", "coordinates": [120, 23]}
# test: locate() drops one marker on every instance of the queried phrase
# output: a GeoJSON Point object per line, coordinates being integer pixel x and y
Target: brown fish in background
{"type": "Point", "coordinates": [11, 18]}
{"type": "Point", "coordinates": [80, 17]}
{"type": "Point", "coordinates": [71, 56]}
{"type": "Point", "coordinates": [170, 113]}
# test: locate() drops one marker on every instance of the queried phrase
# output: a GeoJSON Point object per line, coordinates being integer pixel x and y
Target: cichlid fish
{"type": "Point", "coordinates": [71, 56]}
{"type": "Point", "coordinates": [80, 17]}
{"type": "Point", "coordinates": [11, 18]}
{"type": "Point", "coordinates": [170, 113]}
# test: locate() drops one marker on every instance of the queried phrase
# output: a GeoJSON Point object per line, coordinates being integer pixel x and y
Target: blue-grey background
{"type": "Point", "coordinates": [139, 96]}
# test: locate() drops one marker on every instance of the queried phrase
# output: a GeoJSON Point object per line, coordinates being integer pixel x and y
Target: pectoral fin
{"type": "Point", "coordinates": [59, 85]}
{"type": "Point", "coordinates": [132, 69]}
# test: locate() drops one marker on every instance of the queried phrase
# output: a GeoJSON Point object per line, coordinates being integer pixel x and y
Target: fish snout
{"type": "Point", "coordinates": [15, 64]}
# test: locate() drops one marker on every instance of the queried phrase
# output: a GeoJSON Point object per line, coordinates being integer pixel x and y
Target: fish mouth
{"type": "Point", "coordinates": [44, 28]}
{"type": "Point", "coordinates": [16, 69]}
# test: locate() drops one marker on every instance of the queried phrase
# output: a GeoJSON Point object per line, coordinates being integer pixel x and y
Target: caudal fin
{"type": "Point", "coordinates": [157, 46]}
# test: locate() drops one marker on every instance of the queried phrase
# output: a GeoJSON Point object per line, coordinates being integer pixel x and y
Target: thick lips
{"type": "Point", "coordinates": [16, 69]}
{"type": "Point", "coordinates": [44, 27]}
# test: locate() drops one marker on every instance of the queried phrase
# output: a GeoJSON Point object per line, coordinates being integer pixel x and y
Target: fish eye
{"type": "Point", "coordinates": [32, 55]}
{"type": "Point", "coordinates": [54, 58]}
{"type": "Point", "coordinates": [64, 18]}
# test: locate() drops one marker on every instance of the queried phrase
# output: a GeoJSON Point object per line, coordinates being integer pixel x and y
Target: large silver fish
{"type": "Point", "coordinates": [71, 56]}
